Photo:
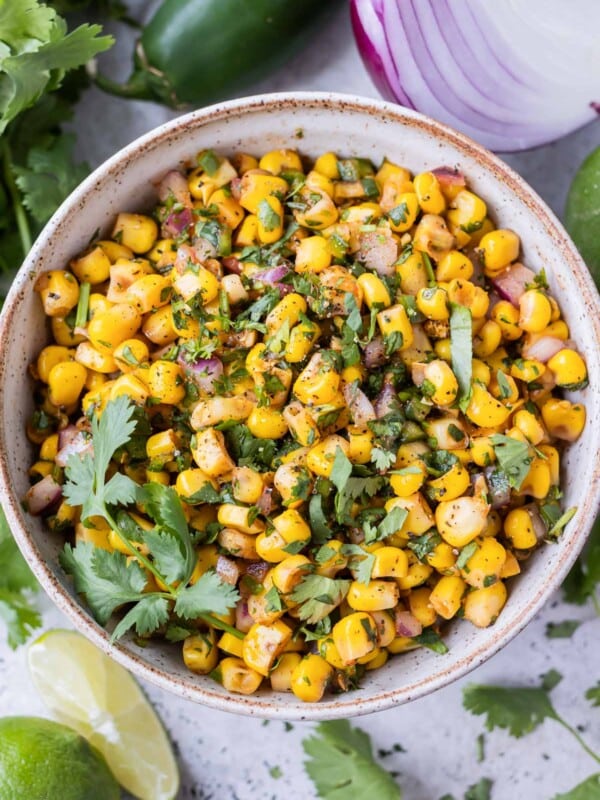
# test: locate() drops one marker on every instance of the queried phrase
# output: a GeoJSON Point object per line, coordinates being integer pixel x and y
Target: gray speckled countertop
{"type": "Point", "coordinates": [224, 756]}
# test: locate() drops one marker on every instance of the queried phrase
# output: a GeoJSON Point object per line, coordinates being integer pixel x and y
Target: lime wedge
{"type": "Point", "coordinates": [88, 691]}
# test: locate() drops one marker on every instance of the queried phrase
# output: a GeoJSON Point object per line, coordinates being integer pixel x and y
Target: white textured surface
{"type": "Point", "coordinates": [223, 756]}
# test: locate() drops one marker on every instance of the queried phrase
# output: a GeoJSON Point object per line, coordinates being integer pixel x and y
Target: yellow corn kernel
{"type": "Point", "coordinates": [446, 596]}
{"type": "Point", "coordinates": [123, 274]}
{"type": "Point", "coordinates": [361, 445]}
{"type": "Point", "coordinates": [65, 383]}
{"type": "Point", "coordinates": [394, 320]}
{"type": "Point", "coordinates": [506, 316]}
{"type": "Point", "coordinates": [454, 265]}
{"type": "Point", "coordinates": [417, 574]}
{"type": "Point", "coordinates": [229, 643]}
{"type": "Point", "coordinates": [269, 547]}
{"type": "Point", "coordinates": [239, 544]}
{"type": "Point", "coordinates": [537, 482]}
{"type": "Point", "coordinates": [247, 233]}
{"type": "Point", "coordinates": [485, 565]}
{"type": "Point", "coordinates": [108, 329]}
{"type": "Point", "coordinates": [278, 161]}
{"type": "Point", "coordinates": [563, 420]}
{"type": "Point", "coordinates": [313, 254]}
{"type": "Point", "coordinates": [511, 566]}
{"type": "Point", "coordinates": [238, 517]}
{"type": "Point", "coordinates": [40, 469]}
{"type": "Point", "coordinates": [301, 424]}
{"type": "Point", "coordinates": [291, 527]}
{"type": "Point", "coordinates": [329, 652]}
{"type": "Point", "coordinates": [401, 644]}
{"type": "Point", "coordinates": [327, 164]}
{"type": "Point", "coordinates": [89, 357]}
{"type": "Point", "coordinates": [301, 341]}
{"type": "Point", "coordinates": [499, 249]}
{"type": "Point", "coordinates": [484, 410]}
{"type": "Point", "coordinates": [386, 627]}
{"type": "Point", "coordinates": [287, 310]}
{"type": "Point", "coordinates": [529, 425]}
{"type": "Point", "coordinates": [166, 382]}
{"type": "Point", "coordinates": [355, 636]}
{"type": "Point", "coordinates": [433, 303]}
{"type": "Point", "coordinates": [256, 187]}
{"type": "Point", "coordinates": [318, 383]}
{"type": "Point", "coordinates": [229, 211]}
{"type": "Point", "coordinates": [558, 329]}
{"type": "Point", "coordinates": [482, 606]}
{"type": "Point", "coordinates": [553, 460]}
{"type": "Point", "coordinates": [419, 518]}
{"type": "Point", "coordinates": [213, 410]}
{"type": "Point", "coordinates": [281, 675]}
{"type": "Point", "coordinates": [191, 283]}
{"type": "Point", "coordinates": [336, 561]}
{"type": "Point", "coordinates": [321, 456]}
{"type": "Point", "coordinates": [210, 453]}
{"type": "Point", "coordinates": [482, 452]}
{"type": "Point", "coordinates": [310, 678]}
{"type": "Point", "coordinates": [389, 170]}
{"type": "Point", "coordinates": [412, 273]}
{"type": "Point", "coordinates": [535, 311]}
{"type": "Point", "coordinates": [59, 292]}
{"type": "Point", "coordinates": [130, 354]}
{"type": "Point", "coordinates": [267, 423]}
{"type": "Point", "coordinates": [403, 215]}
{"type": "Point", "coordinates": [389, 562]}
{"type": "Point", "coordinates": [289, 572]}
{"type": "Point", "coordinates": [270, 220]}
{"type": "Point", "coordinates": [292, 481]}
{"type": "Point", "coordinates": [429, 193]}
{"type": "Point", "coordinates": [163, 447]}
{"type": "Point", "coordinates": [189, 482]}
{"type": "Point", "coordinates": [569, 369]}
{"type": "Point", "coordinates": [136, 231]}
{"type": "Point", "coordinates": [149, 292]}
{"type": "Point", "coordinates": [487, 339]}
{"type": "Point", "coordinates": [467, 211]}
{"type": "Point", "coordinates": [115, 250]}
{"type": "Point", "coordinates": [442, 558]}
{"type": "Point", "coordinates": [235, 676]}
{"type": "Point", "coordinates": [443, 380]}
{"type": "Point", "coordinates": [377, 596]}
{"type": "Point", "coordinates": [519, 530]}
{"type": "Point", "coordinates": [49, 448]}
{"type": "Point", "coordinates": [243, 162]}
{"type": "Point", "coordinates": [49, 357]}
{"type": "Point", "coordinates": [158, 327]}
{"type": "Point", "coordinates": [163, 252]}
{"type": "Point", "coordinates": [247, 485]}
{"type": "Point", "coordinates": [130, 386]}
{"type": "Point", "coordinates": [527, 369]}
{"type": "Point", "coordinates": [450, 485]}
{"type": "Point", "coordinates": [91, 267]}
{"type": "Point", "coordinates": [374, 290]}
{"type": "Point", "coordinates": [320, 211]}
{"type": "Point", "coordinates": [461, 520]}
{"type": "Point", "coordinates": [408, 480]}
{"type": "Point", "coordinates": [200, 653]}
{"type": "Point", "coordinates": [421, 607]}
{"type": "Point", "coordinates": [263, 644]}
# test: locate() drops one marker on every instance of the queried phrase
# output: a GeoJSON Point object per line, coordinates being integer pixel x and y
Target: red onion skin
{"type": "Point", "coordinates": [177, 223]}
{"type": "Point", "coordinates": [407, 624]}
{"type": "Point", "coordinates": [449, 176]}
{"type": "Point", "coordinates": [257, 569]}
{"type": "Point", "coordinates": [375, 353]}
{"type": "Point", "coordinates": [273, 276]}
{"type": "Point", "coordinates": [174, 184]}
{"type": "Point", "coordinates": [543, 348]}
{"type": "Point", "coordinates": [204, 372]}
{"type": "Point", "coordinates": [43, 496]}
{"type": "Point", "coordinates": [243, 620]}
{"type": "Point", "coordinates": [512, 282]}
{"type": "Point", "coordinates": [386, 400]}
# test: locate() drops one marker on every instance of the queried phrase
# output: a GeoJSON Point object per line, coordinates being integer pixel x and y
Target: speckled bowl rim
{"type": "Point", "coordinates": [341, 705]}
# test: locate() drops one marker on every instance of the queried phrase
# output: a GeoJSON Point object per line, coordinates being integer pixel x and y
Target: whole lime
{"type": "Point", "coordinates": [42, 760]}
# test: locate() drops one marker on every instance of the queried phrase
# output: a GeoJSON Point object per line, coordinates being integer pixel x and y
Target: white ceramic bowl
{"type": "Point", "coordinates": [313, 123]}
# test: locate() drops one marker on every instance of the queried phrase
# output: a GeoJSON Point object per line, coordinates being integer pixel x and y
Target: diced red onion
{"type": "Point", "coordinates": [243, 620]}
{"type": "Point", "coordinates": [265, 501]}
{"type": "Point", "coordinates": [232, 264]}
{"type": "Point", "coordinates": [512, 282]}
{"type": "Point", "coordinates": [228, 570]}
{"type": "Point", "coordinates": [385, 401]}
{"type": "Point", "coordinates": [177, 222]}
{"type": "Point", "coordinates": [203, 249]}
{"type": "Point", "coordinates": [537, 522]}
{"type": "Point", "coordinates": [498, 491]}
{"type": "Point", "coordinates": [407, 624]}
{"type": "Point", "coordinates": [378, 251]}
{"type": "Point", "coordinates": [273, 276]}
{"type": "Point", "coordinates": [257, 570]}
{"type": "Point", "coordinates": [174, 184]}
{"type": "Point", "coordinates": [236, 186]}
{"type": "Point", "coordinates": [361, 408]}
{"type": "Point", "coordinates": [449, 176]}
{"type": "Point", "coordinates": [204, 372]}
{"type": "Point", "coordinates": [70, 441]}
{"type": "Point", "coordinates": [544, 348]}
{"type": "Point", "coordinates": [43, 495]}
{"type": "Point", "coordinates": [375, 353]}
{"type": "Point", "coordinates": [488, 69]}
{"type": "Point", "coordinates": [417, 372]}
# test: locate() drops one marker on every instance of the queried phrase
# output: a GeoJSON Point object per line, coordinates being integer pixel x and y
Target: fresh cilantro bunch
{"type": "Point", "coordinates": [110, 580]}
{"type": "Point", "coordinates": [39, 82]}
{"type": "Point", "coordinates": [17, 584]}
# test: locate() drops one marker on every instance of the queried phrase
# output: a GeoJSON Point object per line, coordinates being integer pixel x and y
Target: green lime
{"type": "Point", "coordinates": [582, 215]}
{"type": "Point", "coordinates": [43, 760]}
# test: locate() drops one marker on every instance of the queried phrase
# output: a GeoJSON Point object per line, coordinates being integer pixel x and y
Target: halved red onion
{"type": "Point", "coordinates": [378, 250]}
{"type": "Point", "coordinates": [361, 408]}
{"type": "Point", "coordinates": [449, 176]}
{"type": "Point", "coordinates": [243, 620]}
{"type": "Point", "coordinates": [177, 222]}
{"type": "Point", "coordinates": [273, 276]}
{"type": "Point", "coordinates": [407, 624]}
{"type": "Point", "coordinates": [174, 184]}
{"type": "Point", "coordinates": [375, 353]}
{"type": "Point", "coordinates": [543, 348]}
{"type": "Point", "coordinates": [257, 569]}
{"type": "Point", "coordinates": [228, 570]}
{"type": "Point", "coordinates": [385, 401]}
{"type": "Point", "coordinates": [43, 496]}
{"type": "Point", "coordinates": [512, 282]}
{"type": "Point", "coordinates": [70, 441]}
{"type": "Point", "coordinates": [204, 372]}
{"type": "Point", "coordinates": [265, 501]}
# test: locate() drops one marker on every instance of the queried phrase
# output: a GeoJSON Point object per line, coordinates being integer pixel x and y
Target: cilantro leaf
{"type": "Point", "coordinates": [176, 553]}
{"type": "Point", "coordinates": [582, 580]}
{"type": "Point", "coordinates": [480, 791]}
{"type": "Point", "coordinates": [316, 595]}
{"type": "Point", "coordinates": [19, 616]}
{"type": "Point", "coordinates": [589, 789]}
{"type": "Point", "coordinates": [268, 218]}
{"type": "Point", "coordinates": [461, 350]}
{"type": "Point", "coordinates": [382, 459]}
{"type": "Point", "coordinates": [167, 554]}
{"type": "Point", "coordinates": [593, 694]}
{"type": "Point", "coordinates": [361, 562]}
{"type": "Point", "coordinates": [17, 582]}
{"type": "Point", "coordinates": [513, 456]}
{"type": "Point", "coordinates": [391, 523]}
{"type": "Point", "coordinates": [341, 764]}
{"type": "Point", "coordinates": [341, 469]}
{"type": "Point", "coordinates": [432, 641]}
{"type": "Point", "coordinates": [562, 630]}
{"type": "Point", "coordinates": [209, 594]}
{"type": "Point", "coordinates": [518, 710]}
{"type": "Point", "coordinates": [150, 613]}
{"type": "Point", "coordinates": [321, 531]}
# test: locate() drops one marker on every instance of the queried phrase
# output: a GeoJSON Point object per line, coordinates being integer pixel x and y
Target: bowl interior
{"type": "Point", "coordinates": [313, 124]}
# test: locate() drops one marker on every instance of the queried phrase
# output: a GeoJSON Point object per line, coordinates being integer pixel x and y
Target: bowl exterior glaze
{"type": "Point", "coordinates": [313, 123]}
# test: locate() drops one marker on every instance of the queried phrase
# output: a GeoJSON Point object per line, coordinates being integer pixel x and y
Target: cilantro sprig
{"type": "Point", "coordinates": [17, 585]}
{"type": "Point", "coordinates": [110, 580]}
